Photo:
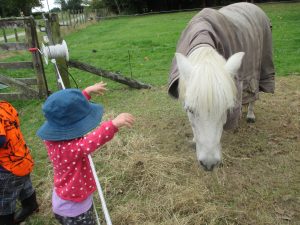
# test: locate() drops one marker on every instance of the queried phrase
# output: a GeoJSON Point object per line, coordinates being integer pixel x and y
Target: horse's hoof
{"type": "Point", "coordinates": [250, 120]}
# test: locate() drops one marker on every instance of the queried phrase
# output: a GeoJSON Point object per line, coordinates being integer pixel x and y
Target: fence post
{"type": "Point", "coordinates": [73, 17]}
{"type": "Point", "coordinates": [16, 34]}
{"type": "Point", "coordinates": [81, 16]}
{"type": "Point", "coordinates": [85, 15]}
{"type": "Point", "coordinates": [4, 35]}
{"type": "Point", "coordinates": [70, 20]}
{"type": "Point", "coordinates": [62, 17]}
{"type": "Point", "coordinates": [53, 32]}
{"type": "Point", "coordinates": [32, 40]}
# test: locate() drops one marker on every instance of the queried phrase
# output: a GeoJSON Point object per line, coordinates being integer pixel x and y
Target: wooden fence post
{"type": "Point", "coordinates": [73, 17]}
{"type": "Point", "coordinates": [22, 87]}
{"type": "Point", "coordinates": [53, 32]}
{"type": "Point", "coordinates": [62, 17]}
{"type": "Point", "coordinates": [4, 35]}
{"type": "Point", "coordinates": [82, 16]}
{"type": "Point", "coordinates": [16, 34]}
{"type": "Point", "coordinates": [70, 20]}
{"type": "Point", "coordinates": [85, 15]}
{"type": "Point", "coordinates": [32, 40]}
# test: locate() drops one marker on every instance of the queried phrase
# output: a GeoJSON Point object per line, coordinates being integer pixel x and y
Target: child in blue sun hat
{"type": "Point", "coordinates": [71, 132]}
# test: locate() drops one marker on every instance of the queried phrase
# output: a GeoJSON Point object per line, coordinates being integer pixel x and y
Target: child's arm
{"type": "Point", "coordinates": [105, 132]}
{"type": "Point", "coordinates": [123, 119]}
{"type": "Point", "coordinates": [98, 88]}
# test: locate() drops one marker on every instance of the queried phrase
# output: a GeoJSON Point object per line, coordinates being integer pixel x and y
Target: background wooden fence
{"type": "Point", "coordinates": [71, 18]}
{"type": "Point", "coordinates": [31, 87]}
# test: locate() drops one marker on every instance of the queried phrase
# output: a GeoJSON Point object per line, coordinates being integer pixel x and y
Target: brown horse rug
{"type": "Point", "coordinates": [240, 27]}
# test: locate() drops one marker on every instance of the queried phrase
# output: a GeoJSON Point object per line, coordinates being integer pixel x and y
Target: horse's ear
{"type": "Point", "coordinates": [184, 65]}
{"type": "Point", "coordinates": [234, 63]}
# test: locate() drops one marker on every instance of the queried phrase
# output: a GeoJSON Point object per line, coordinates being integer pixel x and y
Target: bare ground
{"type": "Point", "coordinates": [150, 174]}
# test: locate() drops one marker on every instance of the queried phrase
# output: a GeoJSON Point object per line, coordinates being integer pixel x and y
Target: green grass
{"type": "Point", "coordinates": [10, 35]}
{"type": "Point", "coordinates": [148, 42]}
{"type": "Point", "coordinates": [151, 177]}
{"type": "Point", "coordinates": [143, 47]}
{"type": "Point", "coordinates": [286, 36]}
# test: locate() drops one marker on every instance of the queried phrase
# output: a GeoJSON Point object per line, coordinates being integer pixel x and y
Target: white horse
{"type": "Point", "coordinates": [223, 60]}
{"type": "Point", "coordinates": [208, 91]}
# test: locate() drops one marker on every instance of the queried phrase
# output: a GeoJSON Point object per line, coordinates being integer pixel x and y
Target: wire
{"type": "Point", "coordinates": [66, 70]}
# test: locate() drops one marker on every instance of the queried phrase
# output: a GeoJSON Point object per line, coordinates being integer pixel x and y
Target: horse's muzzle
{"type": "Point", "coordinates": [209, 167]}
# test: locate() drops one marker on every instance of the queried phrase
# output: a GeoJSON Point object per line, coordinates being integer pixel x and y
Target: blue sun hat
{"type": "Point", "coordinates": [69, 115]}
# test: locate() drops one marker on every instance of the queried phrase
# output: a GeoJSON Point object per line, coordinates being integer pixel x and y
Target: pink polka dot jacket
{"type": "Point", "coordinates": [73, 178]}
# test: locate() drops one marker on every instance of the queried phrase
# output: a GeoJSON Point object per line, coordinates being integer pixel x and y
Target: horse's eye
{"type": "Point", "coordinates": [188, 109]}
{"type": "Point", "coordinates": [191, 111]}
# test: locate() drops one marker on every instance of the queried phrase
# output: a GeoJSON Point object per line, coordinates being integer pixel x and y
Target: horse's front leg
{"type": "Point", "coordinates": [250, 114]}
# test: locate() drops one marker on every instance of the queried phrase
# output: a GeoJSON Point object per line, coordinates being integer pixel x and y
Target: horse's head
{"type": "Point", "coordinates": [208, 91]}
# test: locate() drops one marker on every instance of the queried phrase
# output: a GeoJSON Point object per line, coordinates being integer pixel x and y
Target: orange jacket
{"type": "Point", "coordinates": [14, 155]}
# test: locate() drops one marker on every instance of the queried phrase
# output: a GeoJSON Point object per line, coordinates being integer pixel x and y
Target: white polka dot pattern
{"type": "Point", "coordinates": [73, 178]}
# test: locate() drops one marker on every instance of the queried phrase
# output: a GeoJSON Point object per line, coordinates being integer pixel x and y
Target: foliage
{"type": "Point", "coordinates": [97, 4]}
{"type": "Point", "coordinates": [142, 6]}
{"type": "Point", "coordinates": [70, 4]}
{"type": "Point", "coordinates": [37, 15]}
{"type": "Point", "coordinates": [16, 7]}
{"type": "Point", "coordinates": [74, 4]}
{"type": "Point", "coordinates": [62, 3]}
{"type": "Point", "coordinates": [113, 5]}
{"type": "Point", "coordinates": [55, 10]}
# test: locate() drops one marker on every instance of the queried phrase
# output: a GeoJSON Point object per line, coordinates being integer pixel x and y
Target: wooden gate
{"type": "Point", "coordinates": [29, 87]}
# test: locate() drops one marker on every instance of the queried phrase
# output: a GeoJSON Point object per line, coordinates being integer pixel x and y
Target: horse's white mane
{"type": "Point", "coordinates": [210, 89]}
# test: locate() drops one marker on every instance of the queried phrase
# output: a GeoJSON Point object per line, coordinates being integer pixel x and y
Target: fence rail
{"type": "Point", "coordinates": [73, 17]}
{"type": "Point", "coordinates": [22, 88]}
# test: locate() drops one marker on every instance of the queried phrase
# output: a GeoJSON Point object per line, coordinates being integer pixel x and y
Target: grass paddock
{"type": "Point", "coordinates": [149, 173]}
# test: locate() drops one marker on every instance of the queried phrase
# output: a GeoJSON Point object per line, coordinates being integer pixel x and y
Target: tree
{"type": "Point", "coordinates": [74, 4]}
{"type": "Point", "coordinates": [96, 4]}
{"type": "Point", "coordinates": [55, 10]}
{"type": "Point", "coordinates": [69, 4]}
{"type": "Point", "coordinates": [113, 5]}
{"type": "Point", "coordinates": [15, 7]}
{"type": "Point", "coordinates": [62, 3]}
{"type": "Point", "coordinates": [126, 6]}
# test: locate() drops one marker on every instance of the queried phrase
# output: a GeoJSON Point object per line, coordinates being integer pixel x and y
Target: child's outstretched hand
{"type": "Point", "coordinates": [123, 119]}
{"type": "Point", "coordinates": [98, 88]}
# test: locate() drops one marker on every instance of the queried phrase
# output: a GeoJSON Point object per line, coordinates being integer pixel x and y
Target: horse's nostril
{"type": "Point", "coordinates": [201, 163]}
{"type": "Point", "coordinates": [206, 167]}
